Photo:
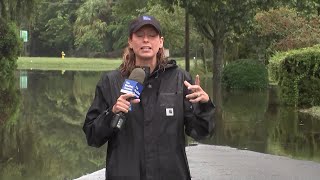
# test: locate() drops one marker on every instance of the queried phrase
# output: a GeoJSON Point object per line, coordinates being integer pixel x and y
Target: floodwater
{"type": "Point", "coordinates": [42, 112]}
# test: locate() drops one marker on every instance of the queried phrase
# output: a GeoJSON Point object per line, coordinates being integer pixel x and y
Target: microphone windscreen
{"type": "Point", "coordinates": [138, 75]}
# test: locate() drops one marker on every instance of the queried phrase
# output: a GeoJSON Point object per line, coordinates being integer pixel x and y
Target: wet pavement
{"type": "Point", "coordinates": [208, 162]}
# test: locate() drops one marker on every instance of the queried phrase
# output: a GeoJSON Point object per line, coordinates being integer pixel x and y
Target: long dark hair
{"type": "Point", "coordinates": [129, 61]}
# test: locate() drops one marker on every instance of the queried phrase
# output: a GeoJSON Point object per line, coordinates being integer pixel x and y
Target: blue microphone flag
{"type": "Point", "coordinates": [131, 86]}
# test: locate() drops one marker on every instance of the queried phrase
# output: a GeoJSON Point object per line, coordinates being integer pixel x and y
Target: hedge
{"type": "Point", "coordinates": [298, 75]}
{"type": "Point", "coordinates": [245, 74]}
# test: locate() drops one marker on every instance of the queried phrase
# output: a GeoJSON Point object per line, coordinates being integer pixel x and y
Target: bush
{"type": "Point", "coordinates": [9, 48]}
{"type": "Point", "coordinates": [245, 74]}
{"type": "Point", "coordinates": [298, 74]}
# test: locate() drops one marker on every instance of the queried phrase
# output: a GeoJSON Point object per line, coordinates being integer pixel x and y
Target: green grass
{"type": "Point", "coordinates": [81, 64]}
{"type": "Point", "coordinates": [90, 64]}
{"type": "Point", "coordinates": [70, 63]}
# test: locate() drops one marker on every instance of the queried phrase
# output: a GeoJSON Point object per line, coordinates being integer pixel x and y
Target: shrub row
{"type": "Point", "coordinates": [298, 75]}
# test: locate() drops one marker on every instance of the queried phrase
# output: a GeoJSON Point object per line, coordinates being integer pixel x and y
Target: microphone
{"type": "Point", "coordinates": [134, 85]}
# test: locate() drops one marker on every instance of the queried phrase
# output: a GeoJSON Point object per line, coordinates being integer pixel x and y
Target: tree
{"type": "Point", "coordinates": [17, 10]}
{"type": "Point", "coordinates": [306, 7]}
{"type": "Point", "coordinates": [11, 13]}
{"type": "Point", "coordinates": [170, 24]}
{"type": "Point", "coordinates": [171, 20]}
{"type": "Point", "coordinates": [221, 21]}
{"type": "Point", "coordinates": [288, 29]}
{"type": "Point", "coordinates": [52, 31]}
{"type": "Point", "coordinates": [288, 24]}
{"type": "Point", "coordinates": [123, 11]}
{"type": "Point", "coordinates": [91, 25]}
{"type": "Point", "coordinates": [9, 49]}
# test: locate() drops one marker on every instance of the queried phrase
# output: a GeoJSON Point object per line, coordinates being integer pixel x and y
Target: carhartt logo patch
{"type": "Point", "coordinates": [169, 111]}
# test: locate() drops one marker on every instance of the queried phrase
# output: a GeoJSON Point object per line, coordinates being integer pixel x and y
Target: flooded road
{"type": "Point", "coordinates": [42, 112]}
{"type": "Point", "coordinates": [209, 162]}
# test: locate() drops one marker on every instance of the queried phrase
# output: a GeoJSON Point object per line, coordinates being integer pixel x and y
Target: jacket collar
{"type": "Point", "coordinates": [158, 70]}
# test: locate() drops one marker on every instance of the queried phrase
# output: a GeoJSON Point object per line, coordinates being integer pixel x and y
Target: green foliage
{"type": "Point", "coordinates": [119, 31]}
{"type": "Point", "coordinates": [245, 74]}
{"type": "Point", "coordinates": [90, 27]}
{"type": "Point", "coordinates": [172, 24]}
{"type": "Point", "coordinates": [57, 32]}
{"type": "Point", "coordinates": [226, 18]}
{"type": "Point", "coordinates": [288, 29]}
{"type": "Point", "coordinates": [252, 44]}
{"type": "Point", "coordinates": [52, 31]}
{"type": "Point", "coordinates": [17, 10]}
{"type": "Point", "coordinates": [305, 7]}
{"type": "Point", "coordinates": [298, 74]}
{"type": "Point", "coordinates": [309, 92]}
{"type": "Point", "coordinates": [9, 48]}
{"type": "Point", "coordinates": [123, 11]}
{"type": "Point", "coordinates": [222, 21]}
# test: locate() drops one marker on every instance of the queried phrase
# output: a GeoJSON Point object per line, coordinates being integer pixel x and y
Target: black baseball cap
{"type": "Point", "coordinates": [140, 21]}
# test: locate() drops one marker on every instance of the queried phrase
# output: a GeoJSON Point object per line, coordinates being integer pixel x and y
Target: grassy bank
{"type": "Point", "coordinates": [85, 64]}
{"type": "Point", "coordinates": [81, 64]}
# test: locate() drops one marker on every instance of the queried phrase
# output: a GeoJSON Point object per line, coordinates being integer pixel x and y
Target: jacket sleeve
{"type": "Point", "coordinates": [198, 117]}
{"type": "Point", "coordinates": [97, 122]}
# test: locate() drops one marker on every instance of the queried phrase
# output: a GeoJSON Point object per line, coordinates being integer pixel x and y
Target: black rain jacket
{"type": "Point", "coordinates": [151, 144]}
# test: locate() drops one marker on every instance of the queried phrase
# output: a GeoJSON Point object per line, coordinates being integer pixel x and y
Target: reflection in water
{"type": "Point", "coordinates": [9, 111]}
{"type": "Point", "coordinates": [9, 99]}
{"type": "Point", "coordinates": [23, 80]}
{"type": "Point", "coordinates": [44, 140]}
{"type": "Point", "coordinates": [255, 121]}
{"type": "Point", "coordinates": [295, 135]}
{"type": "Point", "coordinates": [41, 135]}
{"type": "Point", "coordinates": [242, 124]}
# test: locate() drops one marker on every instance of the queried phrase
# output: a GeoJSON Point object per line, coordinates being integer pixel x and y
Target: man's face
{"type": "Point", "coordinates": [146, 43]}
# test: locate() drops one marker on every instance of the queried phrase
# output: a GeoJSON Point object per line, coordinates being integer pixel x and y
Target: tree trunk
{"type": "Point", "coordinates": [218, 50]}
{"type": "Point", "coordinates": [187, 40]}
{"type": "Point", "coordinates": [203, 58]}
{"type": "Point", "coordinates": [3, 9]}
{"type": "Point", "coordinates": [2, 141]}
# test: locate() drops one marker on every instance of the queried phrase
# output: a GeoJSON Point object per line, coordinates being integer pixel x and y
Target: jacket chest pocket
{"type": "Point", "coordinates": [170, 120]}
{"type": "Point", "coordinates": [168, 103]}
{"type": "Point", "coordinates": [170, 109]}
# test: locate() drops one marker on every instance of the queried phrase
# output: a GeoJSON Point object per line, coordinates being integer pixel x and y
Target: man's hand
{"type": "Point", "coordinates": [198, 94]}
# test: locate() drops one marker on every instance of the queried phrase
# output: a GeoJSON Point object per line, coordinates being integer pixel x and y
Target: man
{"type": "Point", "coordinates": [151, 144]}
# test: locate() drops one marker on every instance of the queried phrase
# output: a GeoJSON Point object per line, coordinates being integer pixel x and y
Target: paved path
{"type": "Point", "coordinates": [209, 162]}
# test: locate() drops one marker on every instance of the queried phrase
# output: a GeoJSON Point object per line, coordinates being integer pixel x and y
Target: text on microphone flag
{"type": "Point", "coordinates": [131, 86]}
